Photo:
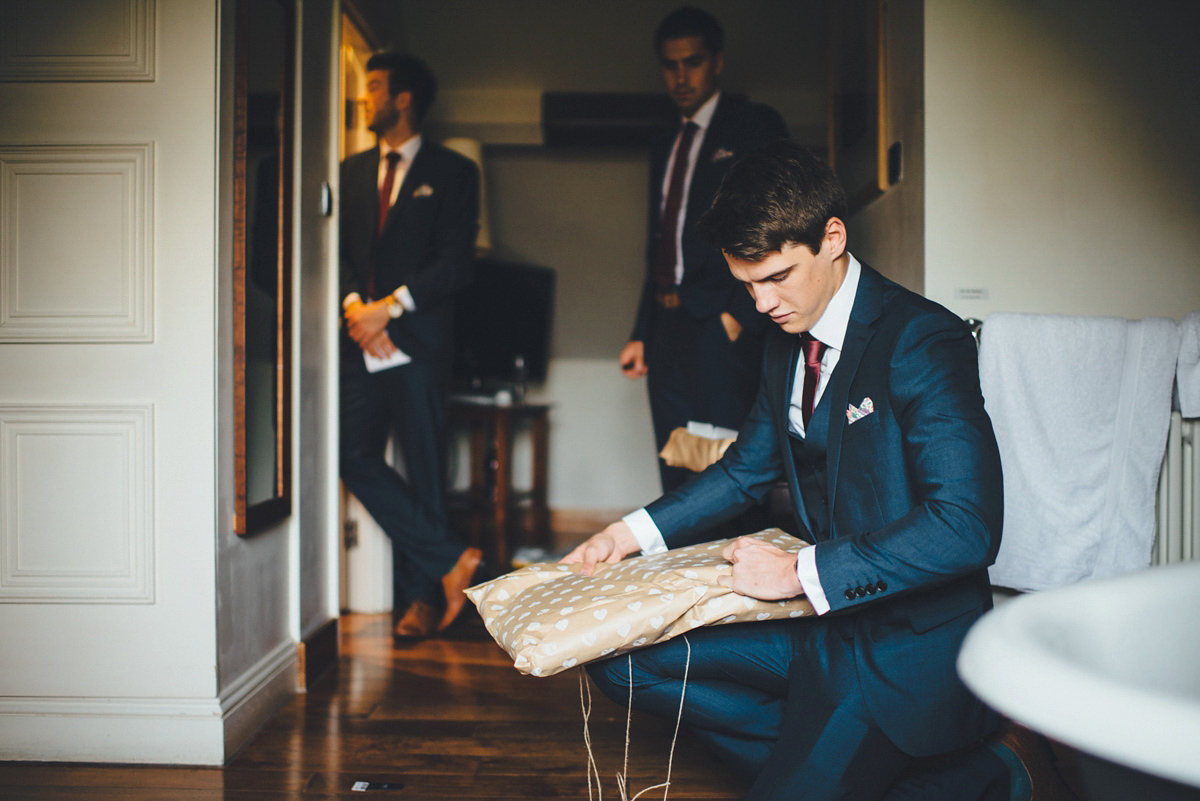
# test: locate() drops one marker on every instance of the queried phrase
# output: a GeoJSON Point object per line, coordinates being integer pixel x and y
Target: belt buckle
{"type": "Point", "coordinates": [668, 300]}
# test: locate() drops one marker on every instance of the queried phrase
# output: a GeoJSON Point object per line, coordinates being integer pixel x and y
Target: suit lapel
{"type": "Point", "coordinates": [788, 379]}
{"type": "Point", "coordinates": [867, 303]}
{"type": "Point", "coordinates": [705, 176]}
{"type": "Point", "coordinates": [413, 178]}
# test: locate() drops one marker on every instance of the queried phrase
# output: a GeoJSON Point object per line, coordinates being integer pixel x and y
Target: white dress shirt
{"type": "Point", "coordinates": [702, 118]}
{"type": "Point", "coordinates": [408, 152]}
{"type": "Point", "coordinates": [831, 330]}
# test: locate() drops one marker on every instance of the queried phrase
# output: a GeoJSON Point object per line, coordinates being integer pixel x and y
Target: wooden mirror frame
{"type": "Point", "coordinates": [251, 516]}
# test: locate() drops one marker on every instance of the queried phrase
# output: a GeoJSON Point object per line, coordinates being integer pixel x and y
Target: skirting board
{"type": "Point", "coordinates": [166, 731]}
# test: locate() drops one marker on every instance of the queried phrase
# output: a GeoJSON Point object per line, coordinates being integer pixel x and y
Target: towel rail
{"type": "Point", "coordinates": [976, 326]}
{"type": "Point", "coordinates": [1178, 535]}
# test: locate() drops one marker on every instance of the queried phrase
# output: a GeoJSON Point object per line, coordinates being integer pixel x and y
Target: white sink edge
{"type": "Point", "coordinates": [1005, 664]}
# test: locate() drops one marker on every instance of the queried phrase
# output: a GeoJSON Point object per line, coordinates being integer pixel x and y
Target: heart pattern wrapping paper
{"type": "Point", "coordinates": [549, 618]}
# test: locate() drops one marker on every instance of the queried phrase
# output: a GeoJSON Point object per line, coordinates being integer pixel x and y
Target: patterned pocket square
{"type": "Point", "coordinates": [424, 190]}
{"type": "Point", "coordinates": [721, 154]}
{"type": "Point", "coordinates": [856, 413]}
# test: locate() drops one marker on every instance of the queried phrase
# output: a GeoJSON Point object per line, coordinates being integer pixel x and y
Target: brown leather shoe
{"type": "Point", "coordinates": [458, 579]}
{"type": "Point", "coordinates": [420, 620]}
{"type": "Point", "coordinates": [1039, 761]}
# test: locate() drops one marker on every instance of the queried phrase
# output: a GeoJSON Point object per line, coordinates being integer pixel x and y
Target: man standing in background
{"type": "Point", "coordinates": [697, 338]}
{"type": "Point", "coordinates": [409, 212]}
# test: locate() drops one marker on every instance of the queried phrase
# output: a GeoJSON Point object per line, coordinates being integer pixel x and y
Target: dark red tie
{"type": "Point", "coordinates": [385, 205]}
{"type": "Point", "coordinates": [385, 191]}
{"type": "Point", "coordinates": [814, 349]}
{"type": "Point", "coordinates": [667, 256]}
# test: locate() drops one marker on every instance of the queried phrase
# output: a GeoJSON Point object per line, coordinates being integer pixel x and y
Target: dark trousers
{"type": "Point", "coordinates": [697, 374]}
{"type": "Point", "coordinates": [795, 732]}
{"type": "Point", "coordinates": [407, 401]}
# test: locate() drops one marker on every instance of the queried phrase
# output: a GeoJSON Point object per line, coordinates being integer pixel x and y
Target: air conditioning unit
{"type": "Point", "coordinates": [606, 119]}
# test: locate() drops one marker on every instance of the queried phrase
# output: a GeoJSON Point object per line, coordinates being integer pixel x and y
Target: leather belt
{"type": "Point", "coordinates": [668, 300]}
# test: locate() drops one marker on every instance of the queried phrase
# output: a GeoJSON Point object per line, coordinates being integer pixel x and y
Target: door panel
{"type": "Point", "coordinates": [108, 276]}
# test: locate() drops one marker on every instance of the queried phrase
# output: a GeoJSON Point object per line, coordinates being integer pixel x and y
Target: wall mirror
{"type": "Point", "coordinates": [263, 126]}
{"type": "Point", "coordinates": [858, 148]}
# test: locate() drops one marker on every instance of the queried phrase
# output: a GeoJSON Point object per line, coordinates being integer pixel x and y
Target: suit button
{"type": "Point", "coordinates": [860, 592]}
{"type": "Point", "coordinates": [881, 585]}
{"type": "Point", "coordinates": [849, 595]}
{"type": "Point", "coordinates": [870, 589]}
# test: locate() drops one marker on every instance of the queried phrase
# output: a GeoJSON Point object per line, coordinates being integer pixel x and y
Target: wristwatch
{"type": "Point", "coordinates": [394, 307]}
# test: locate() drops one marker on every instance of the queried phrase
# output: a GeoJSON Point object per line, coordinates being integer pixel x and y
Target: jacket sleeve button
{"type": "Point", "coordinates": [881, 585]}
{"type": "Point", "coordinates": [849, 595]}
{"type": "Point", "coordinates": [870, 589]}
{"type": "Point", "coordinates": [860, 592]}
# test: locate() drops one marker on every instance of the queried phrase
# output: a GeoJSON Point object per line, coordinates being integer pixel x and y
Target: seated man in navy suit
{"type": "Point", "coordinates": [870, 409]}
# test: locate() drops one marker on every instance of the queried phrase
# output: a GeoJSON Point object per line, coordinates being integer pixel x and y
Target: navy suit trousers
{"type": "Point", "coordinates": [406, 401]}
{"type": "Point", "coordinates": [697, 374]}
{"type": "Point", "coordinates": [778, 702]}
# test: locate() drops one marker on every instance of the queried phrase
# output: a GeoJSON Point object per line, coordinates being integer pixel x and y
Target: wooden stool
{"type": "Point", "coordinates": [491, 500]}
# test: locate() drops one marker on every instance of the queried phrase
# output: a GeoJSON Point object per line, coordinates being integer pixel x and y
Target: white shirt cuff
{"type": "Point", "coordinates": [353, 297]}
{"type": "Point", "coordinates": [406, 299]}
{"type": "Point", "coordinates": [645, 532]}
{"type": "Point", "coordinates": [806, 571]}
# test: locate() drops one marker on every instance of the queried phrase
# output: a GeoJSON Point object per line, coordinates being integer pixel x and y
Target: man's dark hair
{"type": "Point", "coordinates": [691, 21]}
{"type": "Point", "coordinates": [781, 194]}
{"type": "Point", "coordinates": [407, 74]}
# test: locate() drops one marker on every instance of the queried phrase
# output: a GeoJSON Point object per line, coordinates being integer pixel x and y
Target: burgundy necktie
{"type": "Point", "coordinates": [666, 258]}
{"type": "Point", "coordinates": [385, 205]}
{"type": "Point", "coordinates": [814, 349]}
{"type": "Point", "coordinates": [385, 191]}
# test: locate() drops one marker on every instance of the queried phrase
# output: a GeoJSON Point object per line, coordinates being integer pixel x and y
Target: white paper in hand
{"type": "Point", "coordinates": [374, 365]}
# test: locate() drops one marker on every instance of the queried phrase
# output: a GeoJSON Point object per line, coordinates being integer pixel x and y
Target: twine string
{"type": "Point", "coordinates": [587, 738]}
{"type": "Point", "coordinates": [622, 775]}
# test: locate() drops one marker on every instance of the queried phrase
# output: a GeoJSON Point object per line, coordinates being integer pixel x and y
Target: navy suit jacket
{"type": "Point", "coordinates": [427, 242]}
{"type": "Point", "coordinates": [915, 504]}
{"type": "Point", "coordinates": [736, 128]}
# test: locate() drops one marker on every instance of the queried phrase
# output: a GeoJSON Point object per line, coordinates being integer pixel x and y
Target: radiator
{"type": "Point", "coordinates": [1178, 537]}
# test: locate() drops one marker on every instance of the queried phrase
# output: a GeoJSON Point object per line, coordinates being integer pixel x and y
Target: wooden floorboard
{"type": "Point", "coordinates": [447, 719]}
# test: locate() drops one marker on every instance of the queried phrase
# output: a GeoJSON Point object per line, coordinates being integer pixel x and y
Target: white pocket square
{"type": "Point", "coordinates": [856, 413]}
{"type": "Point", "coordinates": [424, 190]}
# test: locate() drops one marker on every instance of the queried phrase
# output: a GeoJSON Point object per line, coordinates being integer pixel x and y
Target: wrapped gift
{"type": "Point", "coordinates": [549, 618]}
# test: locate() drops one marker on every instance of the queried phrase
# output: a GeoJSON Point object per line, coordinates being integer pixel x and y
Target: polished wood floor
{"type": "Point", "coordinates": [446, 719]}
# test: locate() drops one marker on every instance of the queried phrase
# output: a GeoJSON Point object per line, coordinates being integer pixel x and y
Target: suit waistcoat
{"type": "Point", "coordinates": [809, 454]}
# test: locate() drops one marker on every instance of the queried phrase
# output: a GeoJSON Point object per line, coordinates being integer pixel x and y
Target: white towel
{"type": "Point", "coordinates": [1081, 407]}
{"type": "Point", "coordinates": [1187, 372]}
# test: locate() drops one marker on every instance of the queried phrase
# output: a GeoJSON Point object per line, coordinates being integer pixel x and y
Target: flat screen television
{"type": "Point", "coordinates": [502, 326]}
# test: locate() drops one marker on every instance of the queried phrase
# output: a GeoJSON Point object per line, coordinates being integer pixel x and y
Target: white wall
{"type": "Point", "coordinates": [252, 577]}
{"type": "Point", "coordinates": [280, 585]}
{"type": "Point", "coordinates": [1061, 159]}
{"type": "Point", "coordinates": [601, 441]}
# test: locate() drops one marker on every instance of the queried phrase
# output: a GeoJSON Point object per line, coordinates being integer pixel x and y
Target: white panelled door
{"type": "Point", "coordinates": [108, 353]}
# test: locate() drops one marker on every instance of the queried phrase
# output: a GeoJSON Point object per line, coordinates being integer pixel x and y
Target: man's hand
{"type": "Point", "coordinates": [611, 545]}
{"type": "Point", "coordinates": [381, 347]}
{"type": "Point", "coordinates": [761, 570]}
{"type": "Point", "coordinates": [633, 359]}
{"type": "Point", "coordinates": [365, 322]}
{"type": "Point", "coordinates": [733, 329]}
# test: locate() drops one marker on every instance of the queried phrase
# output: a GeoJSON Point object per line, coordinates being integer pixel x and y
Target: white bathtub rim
{"type": "Point", "coordinates": [1009, 667]}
